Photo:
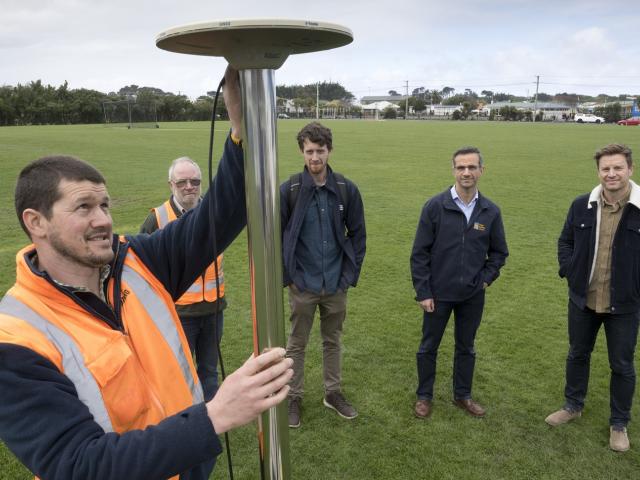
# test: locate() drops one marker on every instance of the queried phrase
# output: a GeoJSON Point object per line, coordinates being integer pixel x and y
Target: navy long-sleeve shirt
{"type": "Point", "coordinates": [52, 432]}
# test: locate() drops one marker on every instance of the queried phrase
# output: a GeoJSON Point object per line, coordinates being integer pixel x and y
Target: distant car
{"type": "Point", "coordinates": [283, 115]}
{"type": "Point", "coordinates": [630, 121]}
{"type": "Point", "coordinates": [587, 118]}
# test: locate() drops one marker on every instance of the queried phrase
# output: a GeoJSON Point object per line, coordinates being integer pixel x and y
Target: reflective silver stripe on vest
{"type": "Point", "coordinates": [161, 316]}
{"type": "Point", "coordinates": [72, 359]}
{"type": "Point", "coordinates": [194, 288]}
{"type": "Point", "coordinates": [210, 285]}
{"type": "Point", "coordinates": [163, 215]}
{"type": "Point", "coordinates": [213, 284]}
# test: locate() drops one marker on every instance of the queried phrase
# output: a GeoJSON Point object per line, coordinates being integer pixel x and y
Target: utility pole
{"type": "Point", "coordinates": [406, 103]}
{"type": "Point", "coordinates": [535, 102]}
{"type": "Point", "coordinates": [317, 100]}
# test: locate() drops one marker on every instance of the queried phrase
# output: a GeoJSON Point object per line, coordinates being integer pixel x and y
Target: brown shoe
{"type": "Point", "coordinates": [295, 404]}
{"type": "Point", "coordinates": [422, 408]}
{"type": "Point", "coordinates": [562, 416]}
{"type": "Point", "coordinates": [472, 407]}
{"type": "Point", "coordinates": [337, 402]}
{"type": "Point", "coordinates": [618, 439]}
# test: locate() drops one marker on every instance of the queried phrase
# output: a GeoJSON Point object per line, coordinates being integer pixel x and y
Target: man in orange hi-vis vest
{"type": "Point", "coordinates": [96, 379]}
{"type": "Point", "coordinates": [200, 310]}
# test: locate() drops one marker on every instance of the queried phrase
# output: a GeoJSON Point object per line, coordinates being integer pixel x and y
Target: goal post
{"type": "Point", "coordinates": [130, 114]}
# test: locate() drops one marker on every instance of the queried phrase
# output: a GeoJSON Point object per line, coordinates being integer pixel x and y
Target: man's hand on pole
{"type": "Point", "coordinates": [233, 100]}
{"type": "Point", "coordinates": [259, 384]}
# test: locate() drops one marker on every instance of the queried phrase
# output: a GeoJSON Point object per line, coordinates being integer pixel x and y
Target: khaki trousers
{"type": "Point", "coordinates": [333, 309]}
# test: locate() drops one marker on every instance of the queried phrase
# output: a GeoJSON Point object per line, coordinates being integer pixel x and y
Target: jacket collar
{"type": "Point", "coordinates": [634, 198]}
{"type": "Point", "coordinates": [448, 200]}
{"type": "Point", "coordinates": [308, 182]}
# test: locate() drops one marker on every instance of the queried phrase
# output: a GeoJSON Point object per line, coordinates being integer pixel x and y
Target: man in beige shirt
{"type": "Point", "coordinates": [599, 254]}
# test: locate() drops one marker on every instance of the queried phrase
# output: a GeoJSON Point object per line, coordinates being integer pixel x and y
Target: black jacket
{"type": "Point", "coordinates": [577, 247]}
{"type": "Point", "coordinates": [349, 221]}
{"type": "Point", "coordinates": [452, 258]}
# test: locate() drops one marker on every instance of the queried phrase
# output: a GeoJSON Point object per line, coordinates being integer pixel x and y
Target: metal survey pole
{"type": "Point", "coordinates": [256, 48]}
{"type": "Point", "coordinates": [265, 254]}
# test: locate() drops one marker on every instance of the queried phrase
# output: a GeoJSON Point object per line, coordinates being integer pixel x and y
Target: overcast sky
{"type": "Point", "coordinates": [581, 46]}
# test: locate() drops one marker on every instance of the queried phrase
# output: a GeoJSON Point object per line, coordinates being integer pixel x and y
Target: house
{"type": "Point", "coordinates": [442, 110]}
{"type": "Point", "coordinates": [287, 106]}
{"type": "Point", "coordinates": [550, 110]}
{"type": "Point", "coordinates": [383, 98]}
{"type": "Point", "coordinates": [375, 110]}
{"type": "Point", "coordinates": [626, 106]}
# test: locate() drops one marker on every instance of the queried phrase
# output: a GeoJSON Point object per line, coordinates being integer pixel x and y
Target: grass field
{"type": "Point", "coordinates": [533, 171]}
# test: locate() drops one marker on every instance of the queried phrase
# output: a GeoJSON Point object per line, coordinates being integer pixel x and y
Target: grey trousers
{"type": "Point", "coordinates": [333, 309]}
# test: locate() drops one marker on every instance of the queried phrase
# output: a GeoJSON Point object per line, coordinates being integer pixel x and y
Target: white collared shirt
{"type": "Point", "coordinates": [466, 209]}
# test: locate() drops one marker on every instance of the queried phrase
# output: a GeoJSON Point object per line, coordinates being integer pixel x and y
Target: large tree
{"type": "Point", "coordinates": [447, 92]}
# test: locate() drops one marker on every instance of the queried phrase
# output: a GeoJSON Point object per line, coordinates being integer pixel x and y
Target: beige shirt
{"type": "Point", "coordinates": [599, 294]}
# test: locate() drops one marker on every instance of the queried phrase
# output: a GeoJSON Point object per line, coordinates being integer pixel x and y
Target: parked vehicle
{"type": "Point", "coordinates": [587, 118]}
{"type": "Point", "coordinates": [283, 115]}
{"type": "Point", "coordinates": [630, 121]}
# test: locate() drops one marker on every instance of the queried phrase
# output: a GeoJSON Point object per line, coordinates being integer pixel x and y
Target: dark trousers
{"type": "Point", "coordinates": [621, 331]}
{"type": "Point", "coordinates": [201, 334]}
{"type": "Point", "coordinates": [467, 315]}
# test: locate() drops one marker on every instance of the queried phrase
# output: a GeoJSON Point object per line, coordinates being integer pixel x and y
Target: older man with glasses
{"type": "Point", "coordinates": [201, 308]}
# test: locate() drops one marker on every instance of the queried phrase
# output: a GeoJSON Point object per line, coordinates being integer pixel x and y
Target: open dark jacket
{"type": "Point", "coordinates": [578, 243]}
{"type": "Point", "coordinates": [452, 258]}
{"type": "Point", "coordinates": [348, 225]}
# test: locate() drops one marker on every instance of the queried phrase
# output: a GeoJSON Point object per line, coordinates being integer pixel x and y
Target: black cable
{"type": "Point", "coordinates": [215, 264]}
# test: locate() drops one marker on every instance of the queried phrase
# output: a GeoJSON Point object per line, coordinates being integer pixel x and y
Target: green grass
{"type": "Point", "coordinates": [533, 171]}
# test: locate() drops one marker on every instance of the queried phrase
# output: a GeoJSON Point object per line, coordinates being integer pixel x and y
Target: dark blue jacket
{"type": "Point", "coordinates": [577, 246]}
{"type": "Point", "coordinates": [348, 225]}
{"type": "Point", "coordinates": [452, 258]}
{"type": "Point", "coordinates": [51, 431]}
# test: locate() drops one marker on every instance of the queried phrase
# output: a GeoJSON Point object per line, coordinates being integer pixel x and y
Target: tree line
{"type": "Point", "coordinates": [37, 104]}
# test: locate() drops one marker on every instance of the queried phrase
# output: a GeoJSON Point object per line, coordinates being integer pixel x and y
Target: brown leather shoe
{"type": "Point", "coordinates": [472, 407]}
{"type": "Point", "coordinates": [422, 408]}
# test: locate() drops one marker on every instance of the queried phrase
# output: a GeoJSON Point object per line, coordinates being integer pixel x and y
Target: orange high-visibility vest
{"type": "Point", "coordinates": [128, 379]}
{"type": "Point", "coordinates": [204, 288]}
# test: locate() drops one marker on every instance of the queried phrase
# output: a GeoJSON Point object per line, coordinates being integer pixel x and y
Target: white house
{"type": "Point", "coordinates": [375, 109]}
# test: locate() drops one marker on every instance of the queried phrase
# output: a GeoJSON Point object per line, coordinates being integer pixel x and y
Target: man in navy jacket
{"type": "Point", "coordinates": [599, 255]}
{"type": "Point", "coordinates": [458, 251]}
{"type": "Point", "coordinates": [323, 242]}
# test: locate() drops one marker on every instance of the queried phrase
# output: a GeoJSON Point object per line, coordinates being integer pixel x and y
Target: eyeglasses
{"type": "Point", "coordinates": [195, 182]}
{"type": "Point", "coordinates": [462, 168]}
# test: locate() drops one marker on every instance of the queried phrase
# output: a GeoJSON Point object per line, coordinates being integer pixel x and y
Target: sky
{"type": "Point", "coordinates": [576, 46]}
